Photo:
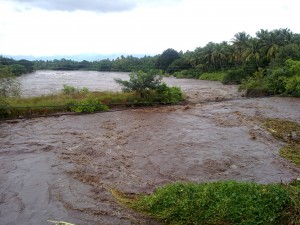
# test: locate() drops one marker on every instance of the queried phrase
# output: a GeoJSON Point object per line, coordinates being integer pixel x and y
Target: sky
{"type": "Point", "coordinates": [70, 27]}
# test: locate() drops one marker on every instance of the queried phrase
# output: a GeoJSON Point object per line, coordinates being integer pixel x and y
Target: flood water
{"type": "Point", "coordinates": [63, 168]}
{"type": "Point", "coordinates": [49, 82]}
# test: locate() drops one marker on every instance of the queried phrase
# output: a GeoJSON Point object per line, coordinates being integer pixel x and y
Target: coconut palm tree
{"type": "Point", "coordinates": [253, 50]}
{"type": "Point", "coordinates": [239, 43]}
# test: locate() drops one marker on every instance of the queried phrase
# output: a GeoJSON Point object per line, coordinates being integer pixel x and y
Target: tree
{"type": "Point", "coordinates": [252, 51]}
{"type": "Point", "coordinates": [141, 83]}
{"type": "Point", "coordinates": [9, 86]}
{"type": "Point", "coordinates": [166, 59]}
{"type": "Point", "coordinates": [239, 43]}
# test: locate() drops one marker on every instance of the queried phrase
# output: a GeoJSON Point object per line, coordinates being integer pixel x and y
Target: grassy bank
{"type": "Point", "coordinates": [82, 101]}
{"type": "Point", "coordinates": [223, 203]}
{"type": "Point", "coordinates": [49, 104]}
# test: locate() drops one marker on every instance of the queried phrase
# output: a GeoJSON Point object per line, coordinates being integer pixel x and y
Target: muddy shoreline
{"type": "Point", "coordinates": [63, 168]}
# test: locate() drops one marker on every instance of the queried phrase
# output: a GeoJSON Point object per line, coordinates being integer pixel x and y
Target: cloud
{"type": "Point", "coordinates": [85, 5]}
{"type": "Point", "coordinates": [91, 5]}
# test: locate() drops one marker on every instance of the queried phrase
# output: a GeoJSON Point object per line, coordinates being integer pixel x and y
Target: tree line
{"type": "Point", "coordinates": [16, 67]}
{"type": "Point", "coordinates": [243, 50]}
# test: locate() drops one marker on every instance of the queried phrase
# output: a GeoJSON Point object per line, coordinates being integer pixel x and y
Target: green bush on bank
{"type": "Point", "coordinates": [190, 73]}
{"type": "Point", "coordinates": [214, 76]}
{"type": "Point", "coordinates": [284, 80]}
{"type": "Point", "coordinates": [235, 76]}
{"type": "Point", "coordinates": [165, 94]}
{"type": "Point", "coordinates": [150, 88]}
{"type": "Point", "coordinates": [89, 105]}
{"type": "Point", "coordinates": [224, 202]}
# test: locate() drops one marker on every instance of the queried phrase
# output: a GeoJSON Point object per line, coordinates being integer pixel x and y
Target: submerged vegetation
{"type": "Point", "coordinates": [289, 133]}
{"type": "Point", "coordinates": [224, 202]}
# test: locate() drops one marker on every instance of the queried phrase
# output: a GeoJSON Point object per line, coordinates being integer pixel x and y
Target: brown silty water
{"type": "Point", "coordinates": [63, 168]}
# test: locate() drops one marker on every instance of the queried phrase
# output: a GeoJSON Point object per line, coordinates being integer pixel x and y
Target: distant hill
{"type": "Point", "coordinates": [80, 57]}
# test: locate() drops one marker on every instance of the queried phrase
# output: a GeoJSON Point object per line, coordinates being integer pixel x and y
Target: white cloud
{"type": "Point", "coordinates": [73, 5]}
{"type": "Point", "coordinates": [148, 28]}
{"type": "Point", "coordinates": [89, 5]}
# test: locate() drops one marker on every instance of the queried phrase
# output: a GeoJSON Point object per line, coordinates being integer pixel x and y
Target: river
{"type": "Point", "coordinates": [46, 82]}
{"type": "Point", "coordinates": [63, 167]}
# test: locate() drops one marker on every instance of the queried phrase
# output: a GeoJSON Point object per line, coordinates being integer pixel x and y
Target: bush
{"type": "Point", "coordinates": [167, 94]}
{"type": "Point", "coordinates": [9, 86]}
{"type": "Point", "coordinates": [191, 73]}
{"type": "Point", "coordinates": [89, 104]}
{"type": "Point", "coordinates": [275, 80]}
{"type": "Point", "coordinates": [140, 82]}
{"type": "Point", "coordinates": [227, 202]}
{"type": "Point", "coordinates": [69, 90]}
{"type": "Point", "coordinates": [235, 76]}
{"type": "Point", "coordinates": [255, 86]}
{"type": "Point", "coordinates": [215, 76]}
{"type": "Point", "coordinates": [4, 110]}
{"type": "Point", "coordinates": [292, 86]}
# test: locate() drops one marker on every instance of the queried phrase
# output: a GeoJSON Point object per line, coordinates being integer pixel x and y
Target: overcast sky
{"type": "Point", "coordinates": [67, 27]}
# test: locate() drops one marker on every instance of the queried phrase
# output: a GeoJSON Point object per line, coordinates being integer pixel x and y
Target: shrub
{"type": "Point", "coordinates": [235, 76]}
{"type": "Point", "coordinates": [255, 86]}
{"type": "Point", "coordinates": [69, 90]}
{"type": "Point", "coordinates": [292, 86]}
{"type": "Point", "coordinates": [191, 73]}
{"type": "Point", "coordinates": [9, 86]}
{"type": "Point", "coordinates": [140, 82]}
{"type": "Point", "coordinates": [4, 110]}
{"type": "Point", "coordinates": [89, 104]}
{"type": "Point", "coordinates": [167, 94]}
{"type": "Point", "coordinates": [215, 76]}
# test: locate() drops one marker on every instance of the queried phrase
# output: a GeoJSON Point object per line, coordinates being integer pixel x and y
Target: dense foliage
{"type": "Point", "coordinates": [228, 202]}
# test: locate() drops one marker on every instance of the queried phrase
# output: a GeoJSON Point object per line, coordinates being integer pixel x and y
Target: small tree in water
{"type": "Point", "coordinates": [141, 83]}
{"type": "Point", "coordinates": [9, 86]}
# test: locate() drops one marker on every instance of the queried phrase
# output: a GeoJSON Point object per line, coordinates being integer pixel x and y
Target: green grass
{"type": "Point", "coordinates": [49, 104]}
{"type": "Point", "coordinates": [75, 100]}
{"type": "Point", "coordinates": [225, 202]}
{"type": "Point", "coordinates": [216, 76]}
{"type": "Point", "coordinates": [288, 132]}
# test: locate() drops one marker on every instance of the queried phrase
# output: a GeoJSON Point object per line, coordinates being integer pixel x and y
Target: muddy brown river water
{"type": "Point", "coordinates": [63, 167]}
